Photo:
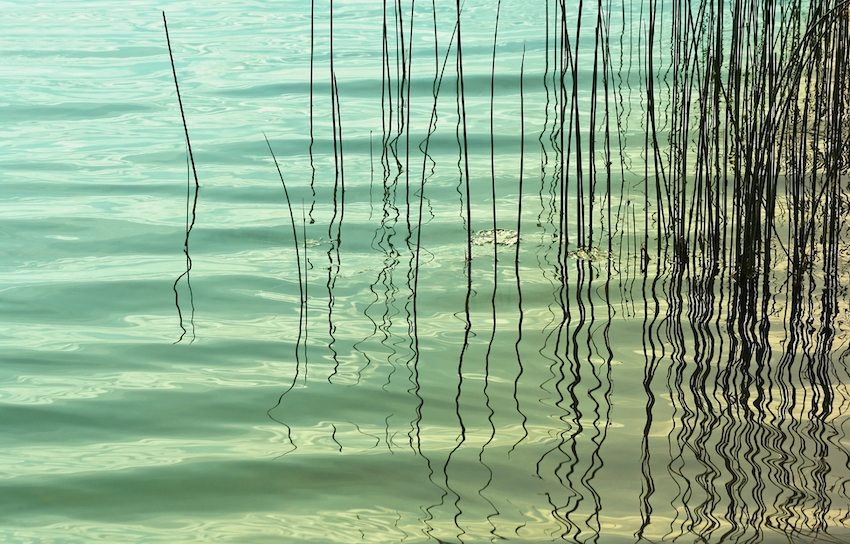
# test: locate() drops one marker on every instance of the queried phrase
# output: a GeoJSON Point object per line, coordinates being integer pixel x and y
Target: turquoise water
{"type": "Point", "coordinates": [531, 392]}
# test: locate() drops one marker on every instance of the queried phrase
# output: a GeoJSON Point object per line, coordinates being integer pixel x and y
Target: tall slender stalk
{"type": "Point", "coordinates": [191, 214]}
{"type": "Point", "coordinates": [493, 152]}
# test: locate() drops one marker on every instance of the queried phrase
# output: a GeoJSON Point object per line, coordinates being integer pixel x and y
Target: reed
{"type": "Point", "coordinates": [757, 122]}
{"type": "Point", "coordinates": [732, 217]}
{"type": "Point", "coordinates": [744, 163]}
{"type": "Point", "coordinates": [191, 206]}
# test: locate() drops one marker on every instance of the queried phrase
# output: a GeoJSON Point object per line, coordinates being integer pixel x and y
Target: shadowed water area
{"type": "Point", "coordinates": [363, 271]}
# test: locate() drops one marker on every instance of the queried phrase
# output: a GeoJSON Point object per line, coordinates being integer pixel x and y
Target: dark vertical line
{"type": "Point", "coordinates": [312, 80]}
{"type": "Point", "coordinates": [468, 263]}
{"type": "Point", "coordinates": [408, 78]}
{"type": "Point", "coordinates": [493, 154]}
{"type": "Point", "coordinates": [465, 142]}
{"type": "Point", "coordinates": [547, 134]}
{"type": "Point", "coordinates": [607, 75]}
{"type": "Point", "coordinates": [401, 71]}
{"type": "Point", "coordinates": [561, 52]}
{"type": "Point", "coordinates": [575, 119]}
{"type": "Point", "coordinates": [386, 97]}
{"type": "Point", "coordinates": [591, 133]}
{"type": "Point", "coordinates": [190, 223]}
{"type": "Point", "coordinates": [425, 157]}
{"type": "Point", "coordinates": [495, 240]}
{"type": "Point", "coordinates": [487, 400]}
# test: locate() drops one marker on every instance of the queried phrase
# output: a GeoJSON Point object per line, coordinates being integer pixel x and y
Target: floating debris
{"type": "Point", "coordinates": [503, 237]}
{"type": "Point", "coordinates": [593, 254]}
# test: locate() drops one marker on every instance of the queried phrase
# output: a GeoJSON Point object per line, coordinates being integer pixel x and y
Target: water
{"type": "Point", "coordinates": [455, 398]}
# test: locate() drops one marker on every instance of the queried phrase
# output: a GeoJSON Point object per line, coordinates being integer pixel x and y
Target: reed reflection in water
{"type": "Point", "coordinates": [669, 178]}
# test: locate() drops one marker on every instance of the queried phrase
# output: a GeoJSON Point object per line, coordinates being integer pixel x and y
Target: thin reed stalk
{"type": "Point", "coordinates": [191, 210]}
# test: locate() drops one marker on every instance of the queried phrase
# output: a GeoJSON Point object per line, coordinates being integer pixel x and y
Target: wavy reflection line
{"type": "Point", "coordinates": [383, 290]}
{"type": "Point", "coordinates": [602, 420]}
{"type": "Point", "coordinates": [704, 306]}
{"type": "Point", "coordinates": [186, 273]}
{"type": "Point", "coordinates": [573, 470]}
{"type": "Point", "coordinates": [651, 362]}
{"type": "Point", "coordinates": [302, 302]}
{"type": "Point", "coordinates": [427, 520]}
{"type": "Point", "coordinates": [335, 224]}
{"type": "Point", "coordinates": [426, 157]}
{"type": "Point", "coordinates": [564, 448]}
{"type": "Point", "coordinates": [383, 238]}
{"type": "Point", "coordinates": [520, 313]}
{"type": "Point", "coordinates": [683, 415]}
{"type": "Point", "coordinates": [544, 156]}
{"type": "Point", "coordinates": [463, 167]}
{"type": "Point", "coordinates": [656, 354]}
{"type": "Point", "coordinates": [704, 407]}
{"type": "Point", "coordinates": [493, 317]}
{"type": "Point", "coordinates": [598, 392]}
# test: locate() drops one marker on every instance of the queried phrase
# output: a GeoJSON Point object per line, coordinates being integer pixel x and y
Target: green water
{"type": "Point", "coordinates": [541, 392]}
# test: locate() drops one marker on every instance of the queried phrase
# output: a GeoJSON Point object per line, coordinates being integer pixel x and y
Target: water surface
{"type": "Point", "coordinates": [556, 387]}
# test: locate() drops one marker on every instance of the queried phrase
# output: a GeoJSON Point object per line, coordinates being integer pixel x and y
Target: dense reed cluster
{"type": "Point", "coordinates": [690, 170]}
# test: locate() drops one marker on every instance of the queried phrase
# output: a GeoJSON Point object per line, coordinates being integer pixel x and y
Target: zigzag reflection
{"type": "Point", "coordinates": [756, 436]}
{"type": "Point", "coordinates": [499, 464]}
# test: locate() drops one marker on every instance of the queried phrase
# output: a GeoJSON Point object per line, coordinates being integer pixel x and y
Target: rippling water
{"type": "Point", "coordinates": [553, 387]}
